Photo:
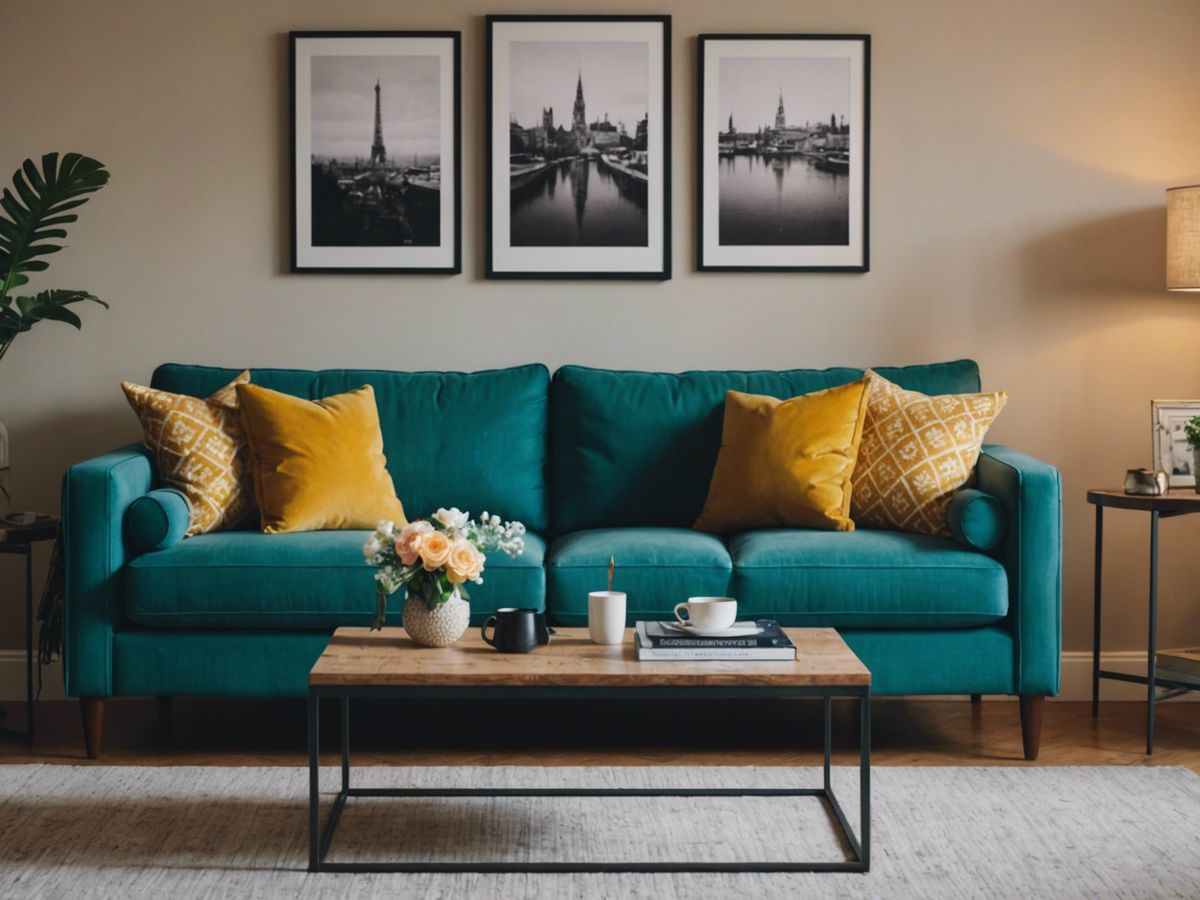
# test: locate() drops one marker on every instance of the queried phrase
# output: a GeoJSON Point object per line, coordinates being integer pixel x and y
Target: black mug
{"type": "Point", "coordinates": [515, 630]}
{"type": "Point", "coordinates": [543, 630]}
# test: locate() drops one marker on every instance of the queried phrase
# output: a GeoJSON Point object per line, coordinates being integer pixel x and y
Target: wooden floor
{"type": "Point", "coordinates": [904, 732]}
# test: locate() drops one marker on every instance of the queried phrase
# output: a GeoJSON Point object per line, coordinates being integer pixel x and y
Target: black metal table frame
{"type": "Point", "coordinates": [1150, 679]}
{"type": "Point", "coordinates": [320, 839]}
{"type": "Point", "coordinates": [25, 548]}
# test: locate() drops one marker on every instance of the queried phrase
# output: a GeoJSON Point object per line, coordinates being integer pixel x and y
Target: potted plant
{"type": "Point", "coordinates": [433, 560]}
{"type": "Point", "coordinates": [32, 216]}
{"type": "Point", "coordinates": [1191, 431]}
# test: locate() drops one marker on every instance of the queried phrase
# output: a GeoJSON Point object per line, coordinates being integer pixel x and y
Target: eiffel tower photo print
{"type": "Point", "coordinates": [376, 152]}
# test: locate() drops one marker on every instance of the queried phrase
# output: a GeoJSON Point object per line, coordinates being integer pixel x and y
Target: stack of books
{"type": "Point", "coordinates": [1181, 665]}
{"type": "Point", "coordinates": [665, 641]}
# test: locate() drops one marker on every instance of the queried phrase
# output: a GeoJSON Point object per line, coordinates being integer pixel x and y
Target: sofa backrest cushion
{"type": "Point", "coordinates": [638, 448]}
{"type": "Point", "coordinates": [473, 440]}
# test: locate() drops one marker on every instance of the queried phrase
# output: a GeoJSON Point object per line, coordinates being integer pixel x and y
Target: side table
{"type": "Point", "coordinates": [1175, 502]}
{"type": "Point", "coordinates": [18, 540]}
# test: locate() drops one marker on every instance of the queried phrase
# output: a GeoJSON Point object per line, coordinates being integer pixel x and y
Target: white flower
{"type": "Point", "coordinates": [372, 547]}
{"type": "Point", "coordinates": [384, 529]}
{"type": "Point", "coordinates": [451, 519]}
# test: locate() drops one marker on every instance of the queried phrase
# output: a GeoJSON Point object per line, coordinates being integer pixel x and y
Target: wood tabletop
{"type": "Point", "coordinates": [1176, 500]}
{"type": "Point", "coordinates": [360, 657]}
{"type": "Point", "coordinates": [44, 528]}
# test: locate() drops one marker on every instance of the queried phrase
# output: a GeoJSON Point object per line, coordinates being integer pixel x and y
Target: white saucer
{"type": "Point", "coordinates": [731, 632]}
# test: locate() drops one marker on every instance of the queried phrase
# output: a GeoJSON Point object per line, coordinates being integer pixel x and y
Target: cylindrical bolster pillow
{"type": "Point", "coordinates": [977, 519]}
{"type": "Point", "coordinates": [159, 519]}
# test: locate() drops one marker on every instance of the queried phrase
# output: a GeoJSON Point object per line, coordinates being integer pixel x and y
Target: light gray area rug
{"type": "Point", "coordinates": [81, 831]}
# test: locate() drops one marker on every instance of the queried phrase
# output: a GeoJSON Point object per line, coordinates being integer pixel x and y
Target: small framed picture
{"type": "Point", "coordinates": [1168, 420]}
{"type": "Point", "coordinates": [376, 158]}
{"type": "Point", "coordinates": [578, 147]}
{"type": "Point", "coordinates": [783, 152]}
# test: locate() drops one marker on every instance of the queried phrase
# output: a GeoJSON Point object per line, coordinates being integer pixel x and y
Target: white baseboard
{"type": "Point", "coordinates": [1076, 677]}
{"type": "Point", "coordinates": [12, 678]}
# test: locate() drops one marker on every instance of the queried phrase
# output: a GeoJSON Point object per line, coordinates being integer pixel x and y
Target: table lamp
{"type": "Point", "coordinates": [1183, 238]}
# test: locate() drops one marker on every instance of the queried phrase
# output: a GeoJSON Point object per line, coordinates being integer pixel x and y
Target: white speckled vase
{"type": "Point", "coordinates": [439, 628]}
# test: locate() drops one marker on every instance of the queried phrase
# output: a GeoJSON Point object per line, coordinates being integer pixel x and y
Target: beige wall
{"type": "Point", "coordinates": [1019, 156]}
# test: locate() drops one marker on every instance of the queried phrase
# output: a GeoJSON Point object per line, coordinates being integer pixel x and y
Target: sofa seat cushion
{"type": "Point", "coordinates": [655, 567]}
{"type": "Point", "coordinates": [865, 579]}
{"type": "Point", "coordinates": [317, 579]}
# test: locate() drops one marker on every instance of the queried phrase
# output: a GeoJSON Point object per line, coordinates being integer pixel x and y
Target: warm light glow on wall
{"type": "Point", "coordinates": [1183, 238]}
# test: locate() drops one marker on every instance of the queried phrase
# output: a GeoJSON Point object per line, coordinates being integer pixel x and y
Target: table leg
{"type": "Point", "coordinates": [345, 703]}
{"type": "Point", "coordinates": [314, 776]}
{"type": "Point", "coordinates": [828, 737]}
{"type": "Point", "coordinates": [29, 642]}
{"type": "Point", "coordinates": [1099, 557]}
{"type": "Point", "coordinates": [864, 782]}
{"type": "Point", "coordinates": [1152, 641]}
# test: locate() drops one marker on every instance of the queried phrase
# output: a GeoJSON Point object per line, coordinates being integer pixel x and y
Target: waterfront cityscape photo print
{"type": "Point", "coordinates": [783, 150]}
{"type": "Point", "coordinates": [578, 147]}
{"type": "Point", "coordinates": [580, 180]}
{"type": "Point", "coordinates": [375, 152]}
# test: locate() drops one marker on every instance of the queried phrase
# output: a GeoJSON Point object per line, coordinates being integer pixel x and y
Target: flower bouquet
{"type": "Point", "coordinates": [435, 558]}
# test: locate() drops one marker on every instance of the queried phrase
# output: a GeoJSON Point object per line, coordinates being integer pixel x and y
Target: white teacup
{"type": "Point", "coordinates": [708, 613]}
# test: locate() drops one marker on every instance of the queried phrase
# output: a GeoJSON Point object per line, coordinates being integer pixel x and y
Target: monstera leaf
{"type": "Point", "coordinates": [48, 305]}
{"type": "Point", "coordinates": [31, 228]}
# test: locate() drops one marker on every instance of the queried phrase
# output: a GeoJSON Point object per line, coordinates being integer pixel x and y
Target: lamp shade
{"type": "Point", "coordinates": [1183, 238]}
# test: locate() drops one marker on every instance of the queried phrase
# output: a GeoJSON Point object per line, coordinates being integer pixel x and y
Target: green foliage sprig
{"type": "Point", "coordinates": [1191, 431]}
{"type": "Point", "coordinates": [31, 229]}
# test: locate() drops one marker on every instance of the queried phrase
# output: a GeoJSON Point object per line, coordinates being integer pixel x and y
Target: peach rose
{"type": "Point", "coordinates": [435, 550]}
{"type": "Point", "coordinates": [465, 562]}
{"type": "Point", "coordinates": [408, 544]}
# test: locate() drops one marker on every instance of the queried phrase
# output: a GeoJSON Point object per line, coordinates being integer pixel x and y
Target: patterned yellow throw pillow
{"type": "Point", "coordinates": [200, 448]}
{"type": "Point", "coordinates": [916, 452]}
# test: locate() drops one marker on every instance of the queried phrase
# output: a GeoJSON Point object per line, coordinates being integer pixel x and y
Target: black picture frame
{"type": "Point", "coordinates": [706, 206]}
{"type": "Point", "coordinates": [451, 234]}
{"type": "Point", "coordinates": [497, 269]}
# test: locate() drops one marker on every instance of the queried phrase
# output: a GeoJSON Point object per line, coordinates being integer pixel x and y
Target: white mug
{"type": "Point", "coordinates": [708, 613]}
{"type": "Point", "coordinates": [606, 616]}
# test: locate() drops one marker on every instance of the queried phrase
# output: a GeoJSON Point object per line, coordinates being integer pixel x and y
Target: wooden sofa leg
{"type": "Point", "coordinates": [977, 698]}
{"type": "Point", "coordinates": [1031, 725]}
{"type": "Point", "coordinates": [92, 709]}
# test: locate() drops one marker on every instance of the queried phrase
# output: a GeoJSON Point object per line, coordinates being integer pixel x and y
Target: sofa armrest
{"type": "Point", "coordinates": [96, 494]}
{"type": "Point", "coordinates": [1031, 492]}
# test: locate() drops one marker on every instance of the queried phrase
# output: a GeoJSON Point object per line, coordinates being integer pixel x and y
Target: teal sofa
{"type": "Point", "coordinates": [596, 463]}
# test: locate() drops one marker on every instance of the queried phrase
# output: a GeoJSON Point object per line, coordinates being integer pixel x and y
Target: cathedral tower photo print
{"type": "Point", "coordinates": [578, 146]}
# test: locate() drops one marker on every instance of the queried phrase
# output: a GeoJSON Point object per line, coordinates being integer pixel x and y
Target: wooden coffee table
{"type": "Point", "coordinates": [360, 663]}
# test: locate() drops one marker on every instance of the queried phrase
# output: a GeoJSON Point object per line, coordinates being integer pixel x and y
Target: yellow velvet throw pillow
{"type": "Point", "coordinates": [317, 464]}
{"type": "Point", "coordinates": [786, 462]}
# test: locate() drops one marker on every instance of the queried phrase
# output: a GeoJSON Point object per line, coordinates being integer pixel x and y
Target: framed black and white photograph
{"type": "Point", "coordinates": [376, 151]}
{"type": "Point", "coordinates": [1172, 454]}
{"type": "Point", "coordinates": [783, 152]}
{"type": "Point", "coordinates": [579, 145]}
